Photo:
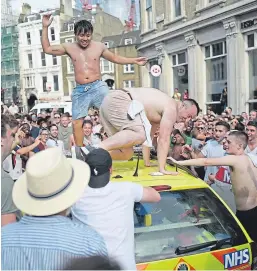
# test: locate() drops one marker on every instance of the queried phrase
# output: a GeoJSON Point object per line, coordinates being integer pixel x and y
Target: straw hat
{"type": "Point", "coordinates": [51, 184]}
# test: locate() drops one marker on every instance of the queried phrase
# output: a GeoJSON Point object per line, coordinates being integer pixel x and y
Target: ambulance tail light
{"type": "Point", "coordinates": [161, 187]}
{"type": "Point", "coordinates": [254, 256]}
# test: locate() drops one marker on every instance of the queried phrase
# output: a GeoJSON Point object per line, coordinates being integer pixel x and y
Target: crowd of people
{"type": "Point", "coordinates": [45, 130]}
{"type": "Point", "coordinates": [38, 193]}
{"type": "Point", "coordinates": [205, 136]}
{"type": "Point", "coordinates": [58, 204]}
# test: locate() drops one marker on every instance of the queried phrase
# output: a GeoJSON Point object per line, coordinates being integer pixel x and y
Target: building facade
{"type": "Point", "coordinates": [7, 16]}
{"type": "Point", "coordinates": [104, 25]}
{"type": "Point", "coordinates": [202, 46]}
{"type": "Point", "coordinates": [10, 75]}
{"type": "Point", "coordinates": [41, 74]}
{"type": "Point", "coordinates": [10, 71]}
{"type": "Point", "coordinates": [122, 76]}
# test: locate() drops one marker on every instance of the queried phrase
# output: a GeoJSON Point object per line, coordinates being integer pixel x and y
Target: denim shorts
{"type": "Point", "coordinates": [85, 96]}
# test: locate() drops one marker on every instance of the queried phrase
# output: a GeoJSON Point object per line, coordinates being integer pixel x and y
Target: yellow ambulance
{"type": "Point", "coordinates": [191, 228]}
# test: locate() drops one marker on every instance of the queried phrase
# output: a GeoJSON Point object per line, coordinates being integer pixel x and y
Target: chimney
{"type": "Point", "coordinates": [26, 9]}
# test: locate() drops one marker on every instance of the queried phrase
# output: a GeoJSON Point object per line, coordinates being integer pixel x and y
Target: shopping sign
{"type": "Point", "coordinates": [156, 70]}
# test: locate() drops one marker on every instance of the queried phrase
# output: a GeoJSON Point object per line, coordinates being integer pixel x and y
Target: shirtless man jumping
{"type": "Point", "coordinates": [132, 116]}
{"type": "Point", "coordinates": [243, 177]}
{"type": "Point", "coordinates": [85, 55]}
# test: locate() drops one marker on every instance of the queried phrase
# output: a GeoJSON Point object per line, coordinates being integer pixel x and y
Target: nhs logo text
{"type": "Point", "coordinates": [236, 258]}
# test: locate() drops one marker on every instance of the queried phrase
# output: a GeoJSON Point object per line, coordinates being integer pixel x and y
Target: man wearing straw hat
{"type": "Point", "coordinates": [45, 238]}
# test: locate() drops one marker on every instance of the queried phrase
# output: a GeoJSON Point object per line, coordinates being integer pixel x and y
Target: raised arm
{"type": "Point", "coordinates": [166, 126]}
{"type": "Point", "coordinates": [29, 148]}
{"type": "Point", "coordinates": [108, 55]}
{"type": "Point", "coordinates": [58, 50]}
{"type": "Point", "coordinates": [229, 160]}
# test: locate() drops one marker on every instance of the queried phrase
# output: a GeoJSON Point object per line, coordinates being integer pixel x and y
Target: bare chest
{"type": "Point", "coordinates": [86, 56]}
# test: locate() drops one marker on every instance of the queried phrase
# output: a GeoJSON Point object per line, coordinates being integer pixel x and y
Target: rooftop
{"type": "Point", "coordinates": [182, 181]}
{"type": "Point", "coordinates": [24, 18]}
{"type": "Point", "coordinates": [119, 40]}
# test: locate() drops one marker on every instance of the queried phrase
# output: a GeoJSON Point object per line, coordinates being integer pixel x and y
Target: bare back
{"type": "Point", "coordinates": [86, 61]}
{"type": "Point", "coordinates": [244, 183]}
{"type": "Point", "coordinates": [154, 102]}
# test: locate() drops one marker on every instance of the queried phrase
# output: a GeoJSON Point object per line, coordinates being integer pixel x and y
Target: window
{"type": "Point", "coordinates": [70, 27]}
{"type": "Point", "coordinates": [52, 34]}
{"type": "Point", "coordinates": [106, 66]}
{"type": "Point", "coordinates": [56, 83]}
{"type": "Point", "coordinates": [160, 228]}
{"type": "Point", "coordinates": [129, 68]}
{"type": "Point", "coordinates": [107, 44]}
{"type": "Point", "coordinates": [216, 49]}
{"type": "Point", "coordinates": [70, 65]}
{"type": "Point", "coordinates": [29, 82]}
{"type": "Point", "coordinates": [54, 60]}
{"type": "Point", "coordinates": [28, 38]}
{"type": "Point", "coordinates": [250, 41]}
{"type": "Point", "coordinates": [69, 40]}
{"type": "Point", "coordinates": [30, 61]}
{"type": "Point", "coordinates": [155, 81]}
{"type": "Point", "coordinates": [180, 72]}
{"type": "Point", "coordinates": [181, 58]}
{"type": "Point", "coordinates": [8, 30]}
{"type": "Point", "coordinates": [44, 80]}
{"type": "Point", "coordinates": [128, 41]}
{"type": "Point", "coordinates": [128, 83]}
{"type": "Point", "coordinates": [43, 59]}
{"type": "Point", "coordinates": [216, 70]}
{"type": "Point", "coordinates": [72, 85]}
{"type": "Point", "coordinates": [251, 48]}
{"type": "Point", "coordinates": [149, 14]}
{"type": "Point", "coordinates": [253, 74]}
{"type": "Point", "coordinates": [177, 8]}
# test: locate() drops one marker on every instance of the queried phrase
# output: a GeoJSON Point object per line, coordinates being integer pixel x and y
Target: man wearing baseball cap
{"type": "Point", "coordinates": [45, 238]}
{"type": "Point", "coordinates": [108, 208]}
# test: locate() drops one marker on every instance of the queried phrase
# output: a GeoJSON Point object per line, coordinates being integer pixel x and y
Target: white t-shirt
{"type": "Point", "coordinates": [247, 150]}
{"type": "Point", "coordinates": [50, 143]}
{"type": "Point", "coordinates": [15, 172]}
{"type": "Point", "coordinates": [97, 128]}
{"type": "Point", "coordinates": [109, 210]}
{"type": "Point", "coordinates": [212, 150]}
{"type": "Point", "coordinates": [13, 109]}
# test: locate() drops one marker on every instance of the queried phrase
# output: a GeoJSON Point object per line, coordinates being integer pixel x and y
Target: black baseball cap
{"type": "Point", "coordinates": [100, 162]}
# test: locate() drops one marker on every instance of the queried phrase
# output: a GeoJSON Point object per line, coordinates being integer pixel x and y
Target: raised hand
{"type": "Point", "coordinates": [173, 160]}
{"type": "Point", "coordinates": [38, 140]}
{"type": "Point", "coordinates": [47, 20]}
{"type": "Point", "coordinates": [141, 61]}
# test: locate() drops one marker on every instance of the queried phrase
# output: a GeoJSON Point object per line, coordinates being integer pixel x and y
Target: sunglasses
{"type": "Point", "coordinates": [57, 117]}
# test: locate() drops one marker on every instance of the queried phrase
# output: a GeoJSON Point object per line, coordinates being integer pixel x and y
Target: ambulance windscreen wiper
{"type": "Point", "coordinates": [217, 244]}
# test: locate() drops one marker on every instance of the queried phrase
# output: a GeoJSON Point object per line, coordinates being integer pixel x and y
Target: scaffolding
{"type": "Point", "coordinates": [10, 75]}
